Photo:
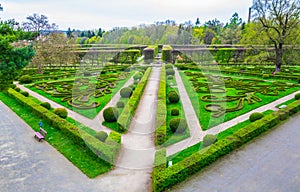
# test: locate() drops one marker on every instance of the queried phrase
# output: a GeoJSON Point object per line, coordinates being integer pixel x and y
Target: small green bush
{"type": "Point", "coordinates": [209, 139]}
{"type": "Point", "coordinates": [173, 97]}
{"type": "Point", "coordinates": [25, 79]}
{"type": "Point", "coordinates": [132, 86]}
{"type": "Point", "coordinates": [175, 112]}
{"type": "Point", "coordinates": [178, 125]}
{"type": "Point", "coordinates": [170, 72]}
{"type": "Point", "coordinates": [46, 105]}
{"type": "Point", "coordinates": [297, 96]}
{"type": "Point", "coordinates": [169, 66]}
{"type": "Point", "coordinates": [138, 75]}
{"type": "Point", "coordinates": [170, 77]}
{"type": "Point", "coordinates": [110, 114]}
{"type": "Point", "coordinates": [120, 104]}
{"type": "Point", "coordinates": [255, 116]}
{"type": "Point", "coordinates": [126, 92]}
{"type": "Point", "coordinates": [62, 112]}
{"type": "Point", "coordinates": [25, 93]}
{"type": "Point", "coordinates": [101, 135]}
{"type": "Point", "coordinates": [17, 89]}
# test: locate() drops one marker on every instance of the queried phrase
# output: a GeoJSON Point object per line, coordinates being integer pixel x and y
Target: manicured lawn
{"type": "Point", "coordinates": [205, 117]}
{"type": "Point", "coordinates": [171, 137]}
{"type": "Point", "coordinates": [90, 113]}
{"type": "Point", "coordinates": [79, 155]}
{"type": "Point", "coordinates": [177, 157]}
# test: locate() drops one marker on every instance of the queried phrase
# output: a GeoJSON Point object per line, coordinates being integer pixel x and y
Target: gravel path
{"type": "Point", "coordinates": [269, 163]}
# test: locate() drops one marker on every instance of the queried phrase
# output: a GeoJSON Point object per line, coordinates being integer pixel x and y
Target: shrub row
{"type": "Point", "coordinates": [161, 116]}
{"type": "Point", "coordinates": [164, 178]}
{"type": "Point", "coordinates": [129, 109]}
{"type": "Point", "coordinates": [108, 150]}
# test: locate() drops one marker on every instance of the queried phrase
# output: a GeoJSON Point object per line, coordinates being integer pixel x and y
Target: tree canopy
{"type": "Point", "coordinates": [15, 54]}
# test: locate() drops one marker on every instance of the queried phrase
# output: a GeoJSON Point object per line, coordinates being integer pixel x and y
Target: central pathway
{"type": "Point", "coordinates": [135, 161]}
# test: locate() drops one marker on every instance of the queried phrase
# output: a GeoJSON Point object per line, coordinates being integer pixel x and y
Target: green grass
{"type": "Point", "coordinates": [114, 125]}
{"type": "Point", "coordinates": [206, 119]}
{"type": "Point", "coordinates": [79, 155]}
{"type": "Point", "coordinates": [181, 155]}
{"type": "Point", "coordinates": [286, 103]}
{"type": "Point", "coordinates": [89, 113]}
{"type": "Point", "coordinates": [174, 138]}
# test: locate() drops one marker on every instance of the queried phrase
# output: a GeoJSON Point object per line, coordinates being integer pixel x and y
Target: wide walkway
{"type": "Point", "coordinates": [270, 163]}
{"type": "Point", "coordinates": [134, 165]}
{"type": "Point", "coordinates": [29, 165]}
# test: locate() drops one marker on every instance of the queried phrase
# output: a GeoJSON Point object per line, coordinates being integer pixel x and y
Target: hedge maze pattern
{"type": "Point", "coordinates": [82, 93]}
{"type": "Point", "coordinates": [245, 89]}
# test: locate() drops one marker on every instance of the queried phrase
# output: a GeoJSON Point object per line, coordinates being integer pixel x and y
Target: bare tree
{"type": "Point", "coordinates": [279, 19]}
{"type": "Point", "coordinates": [38, 23]}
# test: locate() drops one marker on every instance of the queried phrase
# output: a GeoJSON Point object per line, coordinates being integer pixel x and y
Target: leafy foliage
{"type": "Point", "coordinates": [178, 125]}
{"type": "Point", "coordinates": [62, 112]}
{"type": "Point", "coordinates": [14, 55]}
{"type": "Point", "coordinates": [110, 114]}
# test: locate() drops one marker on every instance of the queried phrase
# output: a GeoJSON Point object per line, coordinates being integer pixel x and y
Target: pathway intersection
{"type": "Point", "coordinates": [134, 164]}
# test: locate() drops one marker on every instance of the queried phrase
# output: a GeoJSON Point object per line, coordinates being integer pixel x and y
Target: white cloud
{"type": "Point", "coordinates": [90, 14]}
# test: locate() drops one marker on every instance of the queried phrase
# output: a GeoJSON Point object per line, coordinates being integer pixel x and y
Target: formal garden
{"type": "Point", "coordinates": [208, 96]}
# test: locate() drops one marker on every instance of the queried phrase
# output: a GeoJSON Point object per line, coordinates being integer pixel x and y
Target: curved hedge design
{"type": "Point", "coordinates": [245, 91]}
{"type": "Point", "coordinates": [81, 92]}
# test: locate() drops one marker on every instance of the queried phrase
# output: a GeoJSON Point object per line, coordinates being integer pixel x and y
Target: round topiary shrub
{"type": "Point", "coordinates": [110, 114]}
{"type": "Point", "coordinates": [17, 89]}
{"type": "Point", "coordinates": [132, 86]}
{"type": "Point", "coordinates": [178, 125]}
{"type": "Point", "coordinates": [209, 139]}
{"type": "Point", "coordinates": [170, 77]}
{"type": "Point", "coordinates": [255, 116]}
{"type": "Point", "coordinates": [169, 66]}
{"type": "Point", "coordinates": [25, 79]}
{"type": "Point", "coordinates": [120, 104]}
{"type": "Point", "coordinates": [25, 93]}
{"type": "Point", "coordinates": [46, 105]}
{"type": "Point", "coordinates": [175, 112]}
{"type": "Point", "coordinates": [297, 96]}
{"type": "Point", "coordinates": [101, 135]}
{"type": "Point", "coordinates": [137, 76]}
{"type": "Point", "coordinates": [126, 92]}
{"type": "Point", "coordinates": [62, 112]}
{"type": "Point", "coordinates": [173, 97]}
{"type": "Point", "coordinates": [170, 72]}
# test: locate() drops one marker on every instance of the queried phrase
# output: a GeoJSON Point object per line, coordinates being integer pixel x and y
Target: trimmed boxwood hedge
{"type": "Point", "coordinates": [164, 178]}
{"type": "Point", "coordinates": [255, 116]}
{"type": "Point", "coordinates": [46, 105]}
{"type": "Point", "coordinates": [108, 150]}
{"type": "Point", "coordinates": [161, 114]}
{"type": "Point", "coordinates": [129, 109]}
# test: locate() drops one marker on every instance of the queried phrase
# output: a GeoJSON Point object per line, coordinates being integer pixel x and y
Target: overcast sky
{"type": "Point", "coordinates": [92, 14]}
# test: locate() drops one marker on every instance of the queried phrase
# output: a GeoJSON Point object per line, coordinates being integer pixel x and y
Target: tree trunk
{"type": "Point", "coordinates": [279, 57]}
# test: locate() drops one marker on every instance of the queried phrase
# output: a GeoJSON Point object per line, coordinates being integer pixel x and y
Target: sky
{"type": "Point", "coordinates": [107, 14]}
